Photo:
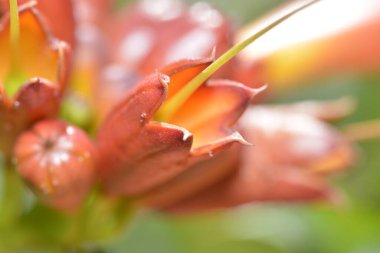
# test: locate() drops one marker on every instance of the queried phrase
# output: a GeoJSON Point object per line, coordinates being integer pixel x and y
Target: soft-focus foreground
{"type": "Point", "coordinates": [121, 128]}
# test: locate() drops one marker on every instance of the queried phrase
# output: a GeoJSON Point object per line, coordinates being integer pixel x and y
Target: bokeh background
{"type": "Point", "coordinates": [351, 226]}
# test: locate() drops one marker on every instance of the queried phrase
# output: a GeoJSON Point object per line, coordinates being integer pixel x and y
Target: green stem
{"type": "Point", "coordinates": [12, 200]}
{"type": "Point", "coordinates": [172, 106]}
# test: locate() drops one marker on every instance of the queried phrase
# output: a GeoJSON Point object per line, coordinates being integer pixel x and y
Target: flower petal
{"type": "Point", "coordinates": [135, 153]}
{"type": "Point", "coordinates": [157, 153]}
{"type": "Point", "coordinates": [204, 173]}
{"type": "Point", "coordinates": [36, 100]}
{"type": "Point", "coordinates": [212, 110]}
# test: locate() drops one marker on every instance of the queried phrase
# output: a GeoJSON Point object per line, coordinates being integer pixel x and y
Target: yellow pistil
{"type": "Point", "coordinates": [170, 107]}
{"type": "Point", "coordinates": [15, 77]}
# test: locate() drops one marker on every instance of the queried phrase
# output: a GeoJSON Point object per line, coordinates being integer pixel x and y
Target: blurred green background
{"type": "Point", "coordinates": [349, 227]}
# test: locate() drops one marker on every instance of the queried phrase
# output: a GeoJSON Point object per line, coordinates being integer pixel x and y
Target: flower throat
{"type": "Point", "coordinates": [15, 77]}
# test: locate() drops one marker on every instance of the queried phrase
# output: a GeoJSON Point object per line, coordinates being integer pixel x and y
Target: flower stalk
{"type": "Point", "coordinates": [169, 108]}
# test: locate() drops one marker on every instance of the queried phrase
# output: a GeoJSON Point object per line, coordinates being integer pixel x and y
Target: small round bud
{"type": "Point", "coordinates": [57, 162]}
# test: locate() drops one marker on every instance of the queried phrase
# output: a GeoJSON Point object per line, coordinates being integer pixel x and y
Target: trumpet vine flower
{"type": "Point", "coordinates": [34, 69]}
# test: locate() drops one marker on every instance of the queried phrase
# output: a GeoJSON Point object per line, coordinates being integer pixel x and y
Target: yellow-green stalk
{"type": "Point", "coordinates": [15, 77]}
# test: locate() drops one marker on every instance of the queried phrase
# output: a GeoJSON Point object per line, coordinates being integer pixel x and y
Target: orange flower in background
{"type": "Point", "coordinates": [151, 34]}
{"type": "Point", "coordinates": [293, 153]}
{"type": "Point", "coordinates": [328, 38]}
{"type": "Point", "coordinates": [57, 15]}
{"type": "Point", "coordinates": [31, 87]}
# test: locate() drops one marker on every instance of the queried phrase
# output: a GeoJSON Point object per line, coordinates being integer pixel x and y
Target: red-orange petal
{"type": "Point", "coordinates": [37, 99]}
{"type": "Point", "coordinates": [204, 172]}
{"type": "Point", "coordinates": [136, 153]}
{"type": "Point", "coordinates": [157, 153]}
{"type": "Point", "coordinates": [211, 112]}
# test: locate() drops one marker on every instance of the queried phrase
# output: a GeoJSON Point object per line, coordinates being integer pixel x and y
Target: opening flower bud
{"type": "Point", "coordinates": [56, 160]}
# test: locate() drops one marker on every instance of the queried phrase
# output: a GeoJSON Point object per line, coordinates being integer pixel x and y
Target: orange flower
{"type": "Point", "coordinates": [57, 161]}
{"type": "Point", "coordinates": [323, 40]}
{"type": "Point", "coordinates": [58, 16]}
{"type": "Point", "coordinates": [42, 68]}
{"type": "Point", "coordinates": [138, 153]}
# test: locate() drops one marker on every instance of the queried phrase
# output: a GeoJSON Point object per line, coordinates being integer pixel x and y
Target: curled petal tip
{"type": "Point", "coordinates": [220, 145]}
{"type": "Point", "coordinates": [256, 91]}
{"type": "Point", "coordinates": [164, 79]}
{"type": "Point", "coordinates": [185, 134]}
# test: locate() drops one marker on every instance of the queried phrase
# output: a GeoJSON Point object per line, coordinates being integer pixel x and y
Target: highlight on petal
{"type": "Point", "coordinates": [297, 139]}
{"type": "Point", "coordinates": [41, 55]}
{"type": "Point", "coordinates": [136, 153]}
{"type": "Point", "coordinates": [57, 162]}
{"type": "Point", "coordinates": [341, 41]}
{"type": "Point", "coordinates": [292, 153]}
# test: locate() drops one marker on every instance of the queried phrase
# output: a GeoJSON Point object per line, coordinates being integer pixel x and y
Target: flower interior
{"type": "Point", "coordinates": [27, 49]}
{"type": "Point", "coordinates": [189, 93]}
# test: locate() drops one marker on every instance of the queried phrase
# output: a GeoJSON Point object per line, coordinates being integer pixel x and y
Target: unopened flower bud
{"type": "Point", "coordinates": [57, 161]}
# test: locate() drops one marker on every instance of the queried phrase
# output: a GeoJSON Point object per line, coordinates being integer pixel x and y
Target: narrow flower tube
{"type": "Point", "coordinates": [57, 161]}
